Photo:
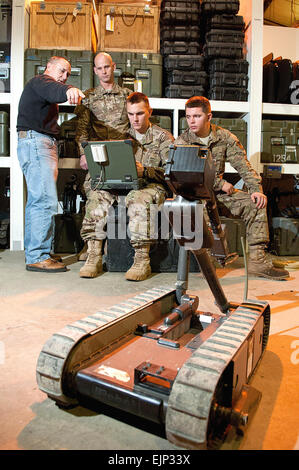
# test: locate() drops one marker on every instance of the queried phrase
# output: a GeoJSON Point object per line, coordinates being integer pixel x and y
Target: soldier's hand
{"type": "Point", "coordinates": [227, 188]}
{"type": "Point", "coordinates": [259, 199]}
{"type": "Point", "coordinates": [74, 95]}
{"type": "Point", "coordinates": [83, 162]}
{"type": "Point", "coordinates": [140, 169]}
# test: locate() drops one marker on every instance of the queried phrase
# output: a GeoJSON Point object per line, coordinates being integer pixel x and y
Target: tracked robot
{"type": "Point", "coordinates": [157, 355]}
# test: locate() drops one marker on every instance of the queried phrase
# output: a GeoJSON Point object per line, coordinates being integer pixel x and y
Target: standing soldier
{"type": "Point", "coordinates": [101, 116]}
{"type": "Point", "coordinates": [251, 205]}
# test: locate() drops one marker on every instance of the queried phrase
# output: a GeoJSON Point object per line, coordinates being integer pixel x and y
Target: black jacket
{"type": "Point", "coordinates": [38, 110]}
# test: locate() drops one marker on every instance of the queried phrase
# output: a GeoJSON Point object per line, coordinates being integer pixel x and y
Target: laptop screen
{"type": "Point", "coordinates": [112, 164]}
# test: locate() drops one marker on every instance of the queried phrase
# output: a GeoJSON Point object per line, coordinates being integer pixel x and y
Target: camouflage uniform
{"type": "Point", "coordinates": [101, 116]}
{"type": "Point", "coordinates": [225, 147]}
{"type": "Point", "coordinates": [152, 152]}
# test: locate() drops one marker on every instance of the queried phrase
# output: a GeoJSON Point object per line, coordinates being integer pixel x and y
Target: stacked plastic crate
{"type": "Point", "coordinates": [223, 50]}
{"type": "Point", "coordinates": [184, 74]}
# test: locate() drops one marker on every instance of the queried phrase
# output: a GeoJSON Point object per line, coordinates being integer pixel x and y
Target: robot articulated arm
{"type": "Point", "coordinates": [190, 175]}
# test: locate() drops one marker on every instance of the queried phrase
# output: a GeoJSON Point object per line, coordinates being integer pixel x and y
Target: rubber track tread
{"type": "Point", "coordinates": [192, 393]}
{"type": "Point", "coordinates": [55, 351]}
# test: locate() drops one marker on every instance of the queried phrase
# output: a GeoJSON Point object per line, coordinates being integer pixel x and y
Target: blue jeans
{"type": "Point", "coordinates": [38, 157]}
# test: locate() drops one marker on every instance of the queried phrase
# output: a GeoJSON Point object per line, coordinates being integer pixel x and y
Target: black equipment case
{"type": "Point", "coordinates": [211, 7]}
{"type": "Point", "coordinates": [184, 91]}
{"type": "Point", "coordinates": [193, 62]}
{"type": "Point", "coordinates": [181, 77]}
{"type": "Point", "coordinates": [180, 47]}
{"type": "Point", "coordinates": [222, 64]}
{"type": "Point", "coordinates": [225, 21]}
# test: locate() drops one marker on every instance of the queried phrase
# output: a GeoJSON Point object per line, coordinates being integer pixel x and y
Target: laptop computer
{"type": "Point", "coordinates": [112, 165]}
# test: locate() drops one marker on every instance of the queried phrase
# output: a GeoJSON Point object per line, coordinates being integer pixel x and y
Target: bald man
{"type": "Point", "coordinates": [37, 153]}
{"type": "Point", "coordinates": [101, 116]}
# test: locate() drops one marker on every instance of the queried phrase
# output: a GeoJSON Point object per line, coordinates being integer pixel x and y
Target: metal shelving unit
{"type": "Point", "coordinates": [251, 111]}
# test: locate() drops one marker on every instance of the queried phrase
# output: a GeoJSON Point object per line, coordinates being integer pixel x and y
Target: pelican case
{"type": "Point", "coordinates": [212, 7]}
{"type": "Point", "coordinates": [162, 121]}
{"type": "Point", "coordinates": [235, 229]}
{"type": "Point", "coordinates": [228, 65]}
{"type": "Point", "coordinates": [184, 91]}
{"type": "Point", "coordinates": [239, 80]}
{"type": "Point", "coordinates": [280, 141]}
{"type": "Point", "coordinates": [5, 20]}
{"type": "Point", "coordinates": [81, 65]}
{"type": "Point", "coordinates": [223, 49]}
{"type": "Point", "coordinates": [191, 77]}
{"type": "Point", "coordinates": [145, 67]}
{"type": "Point", "coordinates": [228, 94]}
{"type": "Point", "coordinates": [225, 21]}
{"type": "Point", "coordinates": [179, 12]}
{"type": "Point", "coordinates": [4, 134]}
{"type": "Point", "coordinates": [224, 35]}
{"type": "Point", "coordinates": [4, 67]}
{"type": "Point", "coordinates": [286, 238]}
{"type": "Point", "coordinates": [180, 48]}
{"type": "Point", "coordinates": [184, 62]}
{"type": "Point", "coordinates": [179, 33]}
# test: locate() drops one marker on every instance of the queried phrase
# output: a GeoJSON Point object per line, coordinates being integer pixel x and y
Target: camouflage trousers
{"type": "Point", "coordinates": [139, 204]}
{"type": "Point", "coordinates": [256, 221]}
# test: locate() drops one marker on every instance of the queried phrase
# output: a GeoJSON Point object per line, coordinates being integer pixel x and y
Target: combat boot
{"type": "Point", "coordinates": [82, 256]}
{"type": "Point", "coordinates": [260, 264]}
{"type": "Point", "coordinates": [94, 264]}
{"type": "Point", "coordinates": [141, 268]}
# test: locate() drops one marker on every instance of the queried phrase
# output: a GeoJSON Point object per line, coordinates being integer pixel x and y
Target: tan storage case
{"type": "Point", "coordinates": [62, 25]}
{"type": "Point", "coordinates": [133, 27]}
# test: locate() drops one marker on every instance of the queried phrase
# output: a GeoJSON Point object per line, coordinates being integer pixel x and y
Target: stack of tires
{"type": "Point", "coordinates": [223, 50]}
{"type": "Point", "coordinates": [184, 74]}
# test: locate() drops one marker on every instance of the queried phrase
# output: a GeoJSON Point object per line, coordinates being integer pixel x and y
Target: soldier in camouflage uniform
{"type": "Point", "coordinates": [101, 116]}
{"type": "Point", "coordinates": [251, 205]}
{"type": "Point", "coordinates": [151, 145]}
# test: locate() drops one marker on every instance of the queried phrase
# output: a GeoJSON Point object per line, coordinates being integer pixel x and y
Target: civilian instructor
{"type": "Point", "coordinates": [37, 153]}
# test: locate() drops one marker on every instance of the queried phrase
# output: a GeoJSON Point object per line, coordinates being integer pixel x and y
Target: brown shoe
{"type": "Point", "coordinates": [47, 266]}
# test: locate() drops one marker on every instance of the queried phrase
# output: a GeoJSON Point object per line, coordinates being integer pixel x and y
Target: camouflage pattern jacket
{"type": "Point", "coordinates": [152, 151]}
{"type": "Point", "coordinates": [102, 115]}
{"type": "Point", "coordinates": [225, 147]}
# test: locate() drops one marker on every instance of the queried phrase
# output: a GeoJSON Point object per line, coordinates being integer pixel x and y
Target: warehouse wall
{"type": "Point", "coordinates": [281, 41]}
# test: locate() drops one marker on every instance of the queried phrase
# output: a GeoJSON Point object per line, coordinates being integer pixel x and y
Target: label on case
{"type": "Point", "coordinates": [109, 23]}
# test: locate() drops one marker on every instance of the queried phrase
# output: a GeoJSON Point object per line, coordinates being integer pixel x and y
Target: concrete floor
{"type": "Point", "coordinates": [34, 306]}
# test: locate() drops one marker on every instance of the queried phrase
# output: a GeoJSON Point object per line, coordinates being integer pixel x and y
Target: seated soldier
{"type": "Point", "coordinates": [251, 205]}
{"type": "Point", "coordinates": [151, 146]}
